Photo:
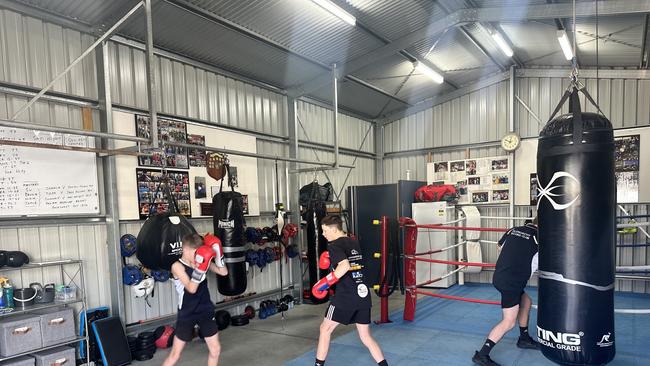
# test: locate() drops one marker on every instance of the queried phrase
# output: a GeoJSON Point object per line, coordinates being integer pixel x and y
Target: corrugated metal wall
{"type": "Point", "coordinates": [32, 52]}
{"type": "Point", "coordinates": [624, 101]}
{"type": "Point", "coordinates": [475, 117]}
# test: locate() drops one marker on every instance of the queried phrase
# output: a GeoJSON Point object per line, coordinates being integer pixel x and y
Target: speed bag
{"type": "Point", "coordinates": [576, 212]}
{"type": "Point", "coordinates": [160, 241]}
{"type": "Point", "coordinates": [229, 224]}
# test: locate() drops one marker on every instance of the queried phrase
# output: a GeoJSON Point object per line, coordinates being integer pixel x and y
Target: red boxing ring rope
{"type": "Point", "coordinates": [410, 260]}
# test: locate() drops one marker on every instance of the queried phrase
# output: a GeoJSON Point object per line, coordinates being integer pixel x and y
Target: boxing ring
{"type": "Point", "coordinates": [446, 326]}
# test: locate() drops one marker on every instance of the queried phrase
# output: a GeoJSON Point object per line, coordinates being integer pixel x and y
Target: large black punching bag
{"type": "Point", "coordinates": [159, 242]}
{"type": "Point", "coordinates": [229, 227]}
{"type": "Point", "coordinates": [576, 211]}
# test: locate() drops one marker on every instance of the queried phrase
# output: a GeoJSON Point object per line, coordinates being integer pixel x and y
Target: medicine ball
{"type": "Point", "coordinates": [159, 243]}
{"type": "Point", "coordinates": [222, 318]}
{"type": "Point", "coordinates": [16, 259]}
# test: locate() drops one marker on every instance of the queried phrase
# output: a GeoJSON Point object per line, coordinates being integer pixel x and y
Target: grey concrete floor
{"type": "Point", "coordinates": [272, 341]}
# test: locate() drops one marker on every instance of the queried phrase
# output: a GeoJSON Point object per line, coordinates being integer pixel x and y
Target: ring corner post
{"type": "Point", "coordinates": [410, 239]}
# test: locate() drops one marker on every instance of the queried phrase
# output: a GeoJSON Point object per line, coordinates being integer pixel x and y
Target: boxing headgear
{"type": "Point", "coordinates": [131, 275]}
{"type": "Point", "coordinates": [160, 276]}
{"type": "Point", "coordinates": [144, 288]}
{"type": "Point", "coordinates": [127, 245]}
{"type": "Point", "coordinates": [289, 231]}
{"type": "Point", "coordinates": [16, 259]}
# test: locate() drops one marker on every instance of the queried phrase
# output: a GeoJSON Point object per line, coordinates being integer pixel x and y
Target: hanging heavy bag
{"type": "Point", "coordinates": [159, 242]}
{"type": "Point", "coordinates": [228, 217]}
{"type": "Point", "coordinates": [576, 208]}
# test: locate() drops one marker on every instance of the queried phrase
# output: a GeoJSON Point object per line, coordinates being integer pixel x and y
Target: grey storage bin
{"type": "Point", "coordinates": [20, 361]}
{"type": "Point", "coordinates": [60, 356]}
{"type": "Point", "coordinates": [18, 334]}
{"type": "Point", "coordinates": [57, 325]}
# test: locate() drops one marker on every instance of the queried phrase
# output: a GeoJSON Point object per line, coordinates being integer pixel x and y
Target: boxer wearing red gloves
{"type": "Point", "coordinates": [351, 301]}
{"type": "Point", "coordinates": [194, 304]}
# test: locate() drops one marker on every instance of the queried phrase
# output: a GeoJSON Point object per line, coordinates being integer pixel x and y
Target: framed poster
{"type": "Point", "coordinates": [152, 198]}
{"type": "Point", "coordinates": [441, 171]}
{"type": "Point", "coordinates": [171, 131]}
{"type": "Point", "coordinates": [197, 157]}
{"type": "Point", "coordinates": [480, 197]}
{"type": "Point", "coordinates": [534, 189]}
{"type": "Point", "coordinates": [627, 158]}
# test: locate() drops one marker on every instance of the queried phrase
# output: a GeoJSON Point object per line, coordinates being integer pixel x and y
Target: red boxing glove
{"type": "Point", "coordinates": [320, 288]}
{"type": "Point", "coordinates": [214, 242]}
{"type": "Point", "coordinates": [203, 256]}
{"type": "Point", "coordinates": [324, 261]}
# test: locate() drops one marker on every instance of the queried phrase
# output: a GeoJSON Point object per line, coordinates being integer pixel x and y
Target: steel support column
{"type": "Point", "coordinates": [379, 154]}
{"type": "Point", "coordinates": [335, 110]}
{"type": "Point", "coordinates": [150, 69]}
{"type": "Point", "coordinates": [109, 168]}
{"type": "Point", "coordinates": [511, 128]}
{"type": "Point", "coordinates": [294, 186]}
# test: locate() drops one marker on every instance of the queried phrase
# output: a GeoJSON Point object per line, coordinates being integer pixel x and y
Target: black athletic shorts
{"type": "Point", "coordinates": [206, 323]}
{"type": "Point", "coordinates": [345, 317]}
{"type": "Point", "coordinates": [510, 298]}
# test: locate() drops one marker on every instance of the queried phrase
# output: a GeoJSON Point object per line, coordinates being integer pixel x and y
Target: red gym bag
{"type": "Point", "coordinates": [435, 193]}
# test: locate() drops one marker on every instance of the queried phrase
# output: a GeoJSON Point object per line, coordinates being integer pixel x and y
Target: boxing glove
{"type": "Point", "coordinates": [324, 261]}
{"type": "Point", "coordinates": [214, 242]}
{"type": "Point", "coordinates": [320, 288]}
{"type": "Point", "coordinates": [202, 257]}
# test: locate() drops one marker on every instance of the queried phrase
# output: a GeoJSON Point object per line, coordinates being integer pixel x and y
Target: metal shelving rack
{"type": "Point", "coordinates": [67, 279]}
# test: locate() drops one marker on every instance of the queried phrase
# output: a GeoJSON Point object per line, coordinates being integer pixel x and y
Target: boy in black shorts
{"type": "Point", "coordinates": [351, 303]}
{"type": "Point", "coordinates": [194, 304]}
{"type": "Point", "coordinates": [516, 264]}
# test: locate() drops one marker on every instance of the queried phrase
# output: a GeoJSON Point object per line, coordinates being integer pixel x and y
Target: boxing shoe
{"type": "Point", "coordinates": [483, 360]}
{"type": "Point", "coordinates": [526, 342]}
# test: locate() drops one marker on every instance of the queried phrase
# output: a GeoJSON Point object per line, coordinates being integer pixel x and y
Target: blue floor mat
{"type": "Point", "coordinates": [448, 332]}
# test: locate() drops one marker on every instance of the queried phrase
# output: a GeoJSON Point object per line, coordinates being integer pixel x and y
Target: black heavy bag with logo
{"type": "Point", "coordinates": [159, 242]}
{"type": "Point", "coordinates": [576, 208]}
{"type": "Point", "coordinates": [229, 227]}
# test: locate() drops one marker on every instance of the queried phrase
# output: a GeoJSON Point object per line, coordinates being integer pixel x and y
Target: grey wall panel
{"type": "Point", "coordinates": [85, 242]}
{"type": "Point", "coordinates": [623, 101]}
{"type": "Point", "coordinates": [476, 117]}
{"type": "Point", "coordinates": [266, 176]}
{"type": "Point", "coordinates": [318, 126]}
{"type": "Point", "coordinates": [33, 52]}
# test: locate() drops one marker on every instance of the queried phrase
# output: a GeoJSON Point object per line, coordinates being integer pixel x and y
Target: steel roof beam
{"type": "Point", "coordinates": [214, 18]}
{"type": "Point", "coordinates": [498, 14]}
{"type": "Point", "coordinates": [645, 48]}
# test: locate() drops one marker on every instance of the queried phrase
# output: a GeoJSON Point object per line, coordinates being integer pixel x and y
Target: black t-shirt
{"type": "Point", "coordinates": [192, 305]}
{"type": "Point", "coordinates": [351, 291]}
{"type": "Point", "coordinates": [518, 258]}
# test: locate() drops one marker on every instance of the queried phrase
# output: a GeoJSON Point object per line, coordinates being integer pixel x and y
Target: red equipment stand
{"type": "Point", "coordinates": [383, 291]}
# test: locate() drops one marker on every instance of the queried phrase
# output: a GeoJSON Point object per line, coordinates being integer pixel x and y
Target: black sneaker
{"type": "Point", "coordinates": [483, 360]}
{"type": "Point", "coordinates": [526, 342]}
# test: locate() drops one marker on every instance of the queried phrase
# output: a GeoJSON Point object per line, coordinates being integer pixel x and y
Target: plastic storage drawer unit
{"type": "Point", "coordinates": [18, 334]}
{"type": "Point", "coordinates": [56, 326]}
{"type": "Point", "coordinates": [60, 356]}
{"type": "Point", "coordinates": [20, 361]}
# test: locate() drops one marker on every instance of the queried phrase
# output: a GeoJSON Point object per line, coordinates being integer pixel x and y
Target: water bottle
{"type": "Point", "coordinates": [2, 298]}
{"type": "Point", "coordinates": [9, 295]}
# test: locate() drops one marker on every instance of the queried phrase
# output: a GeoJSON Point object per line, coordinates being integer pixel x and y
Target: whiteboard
{"type": "Point", "coordinates": [35, 181]}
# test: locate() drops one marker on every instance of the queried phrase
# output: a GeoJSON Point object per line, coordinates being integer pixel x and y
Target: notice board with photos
{"type": "Point", "coordinates": [480, 180]}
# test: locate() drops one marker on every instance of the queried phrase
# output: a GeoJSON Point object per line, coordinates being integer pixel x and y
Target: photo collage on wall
{"type": "Point", "coordinates": [627, 156]}
{"type": "Point", "coordinates": [148, 180]}
{"type": "Point", "coordinates": [168, 131]}
{"type": "Point", "coordinates": [153, 199]}
{"type": "Point", "coordinates": [479, 181]}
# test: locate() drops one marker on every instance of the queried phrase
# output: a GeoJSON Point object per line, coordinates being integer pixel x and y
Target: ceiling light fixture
{"type": "Point", "coordinates": [503, 45]}
{"type": "Point", "coordinates": [565, 44]}
{"type": "Point", "coordinates": [337, 11]}
{"type": "Point", "coordinates": [426, 70]}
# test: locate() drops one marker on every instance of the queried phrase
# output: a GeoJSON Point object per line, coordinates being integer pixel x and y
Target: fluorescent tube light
{"type": "Point", "coordinates": [426, 70]}
{"type": "Point", "coordinates": [565, 44]}
{"type": "Point", "coordinates": [505, 47]}
{"type": "Point", "coordinates": [336, 10]}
